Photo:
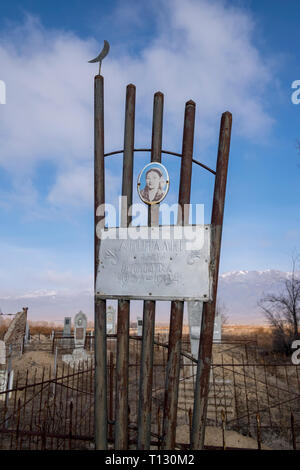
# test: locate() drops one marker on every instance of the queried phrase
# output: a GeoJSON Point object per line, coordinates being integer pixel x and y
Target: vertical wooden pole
{"type": "Point", "coordinates": [122, 359]}
{"type": "Point", "coordinates": [100, 404]}
{"type": "Point", "coordinates": [208, 315]}
{"type": "Point", "coordinates": [175, 333]}
{"type": "Point", "coordinates": [146, 370]}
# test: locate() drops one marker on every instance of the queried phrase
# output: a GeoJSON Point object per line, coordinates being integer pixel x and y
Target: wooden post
{"type": "Point", "coordinates": [208, 315]}
{"type": "Point", "coordinates": [146, 370]}
{"type": "Point", "coordinates": [122, 359]}
{"type": "Point", "coordinates": [175, 334]}
{"type": "Point", "coordinates": [100, 404]}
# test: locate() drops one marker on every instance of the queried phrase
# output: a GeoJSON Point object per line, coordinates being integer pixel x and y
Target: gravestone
{"type": "Point", "coordinates": [80, 323]}
{"type": "Point", "coordinates": [67, 326]}
{"type": "Point", "coordinates": [27, 334]}
{"type": "Point", "coordinates": [110, 320]}
{"type": "Point", "coordinates": [195, 316]}
{"type": "Point", "coordinates": [139, 326]}
{"type": "Point", "coordinates": [2, 353]}
{"type": "Point", "coordinates": [218, 328]}
{"type": "Point", "coordinates": [79, 354]}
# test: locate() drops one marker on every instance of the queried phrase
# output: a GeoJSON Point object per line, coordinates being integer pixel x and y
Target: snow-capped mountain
{"type": "Point", "coordinates": [240, 291]}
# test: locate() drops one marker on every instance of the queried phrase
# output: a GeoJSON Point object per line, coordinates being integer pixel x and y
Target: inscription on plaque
{"type": "Point", "coordinates": [79, 333]}
{"type": "Point", "coordinates": [169, 265]}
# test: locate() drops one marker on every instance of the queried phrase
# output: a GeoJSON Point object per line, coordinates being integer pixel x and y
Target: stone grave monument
{"type": "Point", "coordinates": [139, 326]}
{"type": "Point", "coordinates": [67, 326]}
{"type": "Point", "coordinates": [195, 317]}
{"type": "Point", "coordinates": [79, 354]}
{"type": "Point", "coordinates": [110, 320]}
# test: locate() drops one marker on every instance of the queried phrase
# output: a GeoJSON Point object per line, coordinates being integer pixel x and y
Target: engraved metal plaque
{"type": "Point", "coordinates": [79, 333]}
{"type": "Point", "coordinates": [163, 263]}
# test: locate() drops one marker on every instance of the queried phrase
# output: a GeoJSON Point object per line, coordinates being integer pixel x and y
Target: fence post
{"type": "Point", "coordinates": [146, 369]}
{"type": "Point", "coordinates": [223, 429]}
{"type": "Point", "coordinates": [70, 425]}
{"type": "Point", "coordinates": [208, 314]}
{"type": "Point", "coordinates": [9, 382]}
{"type": "Point", "coordinates": [293, 431]}
{"type": "Point", "coordinates": [18, 422]}
{"type": "Point", "coordinates": [176, 318]}
{"type": "Point", "coordinates": [258, 431]}
{"type": "Point", "coordinates": [100, 405]}
{"type": "Point", "coordinates": [54, 372]}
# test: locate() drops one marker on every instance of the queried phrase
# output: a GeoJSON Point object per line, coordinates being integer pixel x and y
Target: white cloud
{"type": "Point", "coordinates": [74, 186]}
{"type": "Point", "coordinates": [202, 50]}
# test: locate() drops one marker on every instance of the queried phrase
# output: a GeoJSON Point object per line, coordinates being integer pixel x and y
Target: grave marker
{"type": "Point", "coordinates": [67, 326]}
{"type": "Point", "coordinates": [110, 320]}
{"type": "Point", "coordinates": [139, 326]}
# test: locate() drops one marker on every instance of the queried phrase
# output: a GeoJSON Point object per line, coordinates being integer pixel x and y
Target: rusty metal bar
{"type": "Point", "coordinates": [258, 431]}
{"type": "Point", "coordinates": [61, 406]}
{"type": "Point", "coordinates": [100, 407]}
{"type": "Point", "coordinates": [166, 152]}
{"type": "Point", "coordinates": [14, 408]}
{"type": "Point", "coordinates": [294, 443]}
{"type": "Point", "coordinates": [121, 408]}
{"type": "Point", "coordinates": [256, 391]}
{"type": "Point", "coordinates": [208, 315]}
{"type": "Point", "coordinates": [235, 394]}
{"type": "Point", "coordinates": [223, 429]}
{"type": "Point", "coordinates": [267, 392]}
{"type": "Point", "coordinates": [70, 425]}
{"type": "Point", "coordinates": [147, 347]}
{"type": "Point", "coordinates": [158, 427]}
{"type": "Point", "coordinates": [122, 358]}
{"type": "Point", "coordinates": [76, 395]}
{"type": "Point", "coordinates": [111, 394]}
{"type": "Point", "coordinates": [83, 387]}
{"type": "Point", "coordinates": [224, 386]}
{"type": "Point", "coordinates": [32, 407]}
{"type": "Point", "coordinates": [176, 318]}
{"type": "Point", "coordinates": [24, 407]}
{"type": "Point", "coordinates": [66, 404]}
{"type": "Point", "coordinates": [18, 422]}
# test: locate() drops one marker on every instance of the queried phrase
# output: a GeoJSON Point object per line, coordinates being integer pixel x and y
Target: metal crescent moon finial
{"type": "Point", "coordinates": [102, 54]}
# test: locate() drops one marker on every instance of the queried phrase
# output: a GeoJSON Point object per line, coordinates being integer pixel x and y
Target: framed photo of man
{"type": "Point", "coordinates": [153, 183]}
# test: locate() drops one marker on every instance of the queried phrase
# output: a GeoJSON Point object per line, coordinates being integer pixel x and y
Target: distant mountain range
{"type": "Point", "coordinates": [239, 292]}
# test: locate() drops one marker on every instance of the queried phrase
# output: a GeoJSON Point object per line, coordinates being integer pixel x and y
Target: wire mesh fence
{"type": "Point", "coordinates": [53, 407]}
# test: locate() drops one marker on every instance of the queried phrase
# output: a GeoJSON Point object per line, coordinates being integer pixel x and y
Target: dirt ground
{"type": "Point", "coordinates": [214, 437]}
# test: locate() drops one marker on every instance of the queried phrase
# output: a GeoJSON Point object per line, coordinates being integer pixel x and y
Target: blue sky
{"type": "Point", "coordinates": [240, 56]}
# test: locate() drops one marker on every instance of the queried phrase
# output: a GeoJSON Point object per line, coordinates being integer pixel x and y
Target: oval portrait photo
{"type": "Point", "coordinates": [153, 183]}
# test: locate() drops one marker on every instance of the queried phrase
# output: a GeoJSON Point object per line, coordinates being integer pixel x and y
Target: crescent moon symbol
{"type": "Point", "coordinates": [102, 54]}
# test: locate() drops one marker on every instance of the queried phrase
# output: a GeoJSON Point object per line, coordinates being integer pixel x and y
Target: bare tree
{"type": "Point", "coordinates": [282, 310]}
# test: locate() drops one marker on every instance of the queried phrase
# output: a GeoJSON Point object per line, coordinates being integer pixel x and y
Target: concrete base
{"type": "Point", "coordinates": [77, 356]}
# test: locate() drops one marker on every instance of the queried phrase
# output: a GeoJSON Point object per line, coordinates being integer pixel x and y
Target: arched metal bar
{"type": "Point", "coordinates": [167, 152]}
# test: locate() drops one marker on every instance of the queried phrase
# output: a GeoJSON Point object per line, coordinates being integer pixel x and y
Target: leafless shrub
{"type": "Point", "coordinates": [282, 311]}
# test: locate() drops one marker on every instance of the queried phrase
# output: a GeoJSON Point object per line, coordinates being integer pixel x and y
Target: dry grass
{"type": "Point", "coordinates": [261, 335]}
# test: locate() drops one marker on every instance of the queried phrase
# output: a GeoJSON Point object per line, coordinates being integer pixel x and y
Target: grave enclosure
{"type": "Point", "coordinates": [105, 287]}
